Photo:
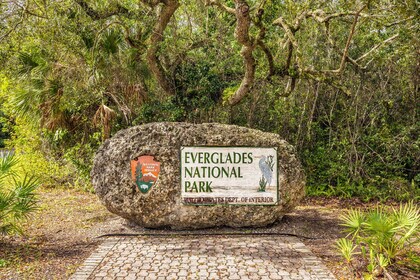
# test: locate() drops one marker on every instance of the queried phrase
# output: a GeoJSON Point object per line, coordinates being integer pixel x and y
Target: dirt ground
{"type": "Point", "coordinates": [69, 223]}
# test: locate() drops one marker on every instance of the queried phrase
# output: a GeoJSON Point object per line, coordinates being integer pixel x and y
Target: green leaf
{"type": "Point", "coordinates": [353, 221]}
{"type": "Point", "coordinates": [346, 248]}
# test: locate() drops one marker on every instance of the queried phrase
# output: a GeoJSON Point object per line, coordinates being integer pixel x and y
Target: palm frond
{"type": "Point", "coordinates": [353, 221]}
{"type": "Point", "coordinates": [26, 101]}
{"type": "Point", "coordinates": [111, 41]}
{"type": "Point", "coordinates": [10, 228]}
{"type": "Point", "coordinates": [104, 116]}
{"type": "Point", "coordinates": [27, 63]}
{"type": "Point", "coordinates": [31, 64]}
{"type": "Point", "coordinates": [26, 186]}
{"type": "Point", "coordinates": [6, 199]}
{"type": "Point", "coordinates": [378, 223]}
{"type": "Point", "coordinates": [7, 162]}
{"type": "Point", "coordinates": [383, 261]}
{"type": "Point", "coordinates": [406, 216]}
{"type": "Point", "coordinates": [17, 199]}
{"type": "Point", "coordinates": [346, 248]}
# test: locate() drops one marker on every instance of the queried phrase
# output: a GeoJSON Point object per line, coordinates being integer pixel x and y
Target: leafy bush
{"type": "Point", "coordinates": [17, 197]}
{"type": "Point", "coordinates": [382, 239]}
{"type": "Point", "coordinates": [35, 154]}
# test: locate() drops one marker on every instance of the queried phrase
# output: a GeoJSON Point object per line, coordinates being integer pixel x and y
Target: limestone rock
{"type": "Point", "coordinates": [161, 206]}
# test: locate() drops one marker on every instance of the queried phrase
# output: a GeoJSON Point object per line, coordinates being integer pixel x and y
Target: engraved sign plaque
{"type": "Point", "coordinates": [229, 176]}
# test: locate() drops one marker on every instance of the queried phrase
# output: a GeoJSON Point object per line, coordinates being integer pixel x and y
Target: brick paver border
{"type": "Point", "coordinates": [92, 262]}
{"type": "Point", "coordinates": [203, 257]}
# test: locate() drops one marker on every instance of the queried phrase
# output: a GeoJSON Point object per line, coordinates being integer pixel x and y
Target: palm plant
{"type": "Point", "coordinates": [386, 235]}
{"type": "Point", "coordinates": [17, 197]}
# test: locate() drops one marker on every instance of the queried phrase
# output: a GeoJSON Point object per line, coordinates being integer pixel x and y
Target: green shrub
{"type": "Point", "coordinates": [35, 155]}
{"type": "Point", "coordinates": [382, 238]}
{"type": "Point", "coordinates": [17, 197]}
{"type": "Point", "coordinates": [397, 190]}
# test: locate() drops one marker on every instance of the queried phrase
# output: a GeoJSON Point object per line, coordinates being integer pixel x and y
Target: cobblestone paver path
{"type": "Point", "coordinates": [202, 257]}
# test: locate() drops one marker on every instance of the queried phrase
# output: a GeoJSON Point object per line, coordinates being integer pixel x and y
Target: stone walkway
{"type": "Point", "coordinates": [202, 257]}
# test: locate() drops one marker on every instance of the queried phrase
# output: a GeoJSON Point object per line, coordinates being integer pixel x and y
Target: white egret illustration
{"type": "Point", "coordinates": [266, 165]}
{"type": "Point", "coordinates": [266, 170]}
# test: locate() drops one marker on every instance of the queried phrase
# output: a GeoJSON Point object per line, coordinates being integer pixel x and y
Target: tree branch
{"type": "Point", "coordinates": [292, 42]}
{"type": "Point", "coordinates": [168, 9]}
{"type": "Point", "coordinates": [289, 55]}
{"type": "Point", "coordinates": [399, 21]}
{"type": "Point", "coordinates": [269, 56]}
{"type": "Point", "coordinates": [220, 5]}
{"type": "Point", "coordinates": [95, 15]}
{"type": "Point", "coordinates": [346, 48]}
{"type": "Point", "coordinates": [5, 35]}
{"type": "Point", "coordinates": [242, 35]}
{"type": "Point", "coordinates": [26, 9]}
{"type": "Point", "coordinates": [320, 15]}
{"type": "Point", "coordinates": [260, 42]}
{"type": "Point", "coordinates": [287, 29]}
{"type": "Point", "coordinates": [376, 47]}
{"type": "Point", "coordinates": [2, 37]}
{"type": "Point", "coordinates": [336, 48]}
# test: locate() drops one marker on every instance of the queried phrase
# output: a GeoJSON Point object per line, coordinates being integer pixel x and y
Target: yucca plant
{"type": "Point", "coordinates": [17, 196]}
{"type": "Point", "coordinates": [387, 235]}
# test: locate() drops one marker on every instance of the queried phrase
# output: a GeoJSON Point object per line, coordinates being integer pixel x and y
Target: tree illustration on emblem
{"type": "Point", "coordinates": [143, 186]}
{"type": "Point", "coordinates": [266, 165]}
{"type": "Point", "coordinates": [139, 174]}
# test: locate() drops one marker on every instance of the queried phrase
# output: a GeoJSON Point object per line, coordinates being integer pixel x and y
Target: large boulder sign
{"type": "Point", "coordinates": [190, 176]}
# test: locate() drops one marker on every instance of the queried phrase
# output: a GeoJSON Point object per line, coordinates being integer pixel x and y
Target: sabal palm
{"type": "Point", "coordinates": [17, 197]}
{"type": "Point", "coordinates": [385, 232]}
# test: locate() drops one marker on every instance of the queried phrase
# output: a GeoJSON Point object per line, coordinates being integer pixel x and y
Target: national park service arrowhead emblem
{"type": "Point", "coordinates": [144, 172]}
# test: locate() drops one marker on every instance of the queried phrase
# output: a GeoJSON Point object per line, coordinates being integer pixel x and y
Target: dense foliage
{"type": "Point", "coordinates": [337, 79]}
